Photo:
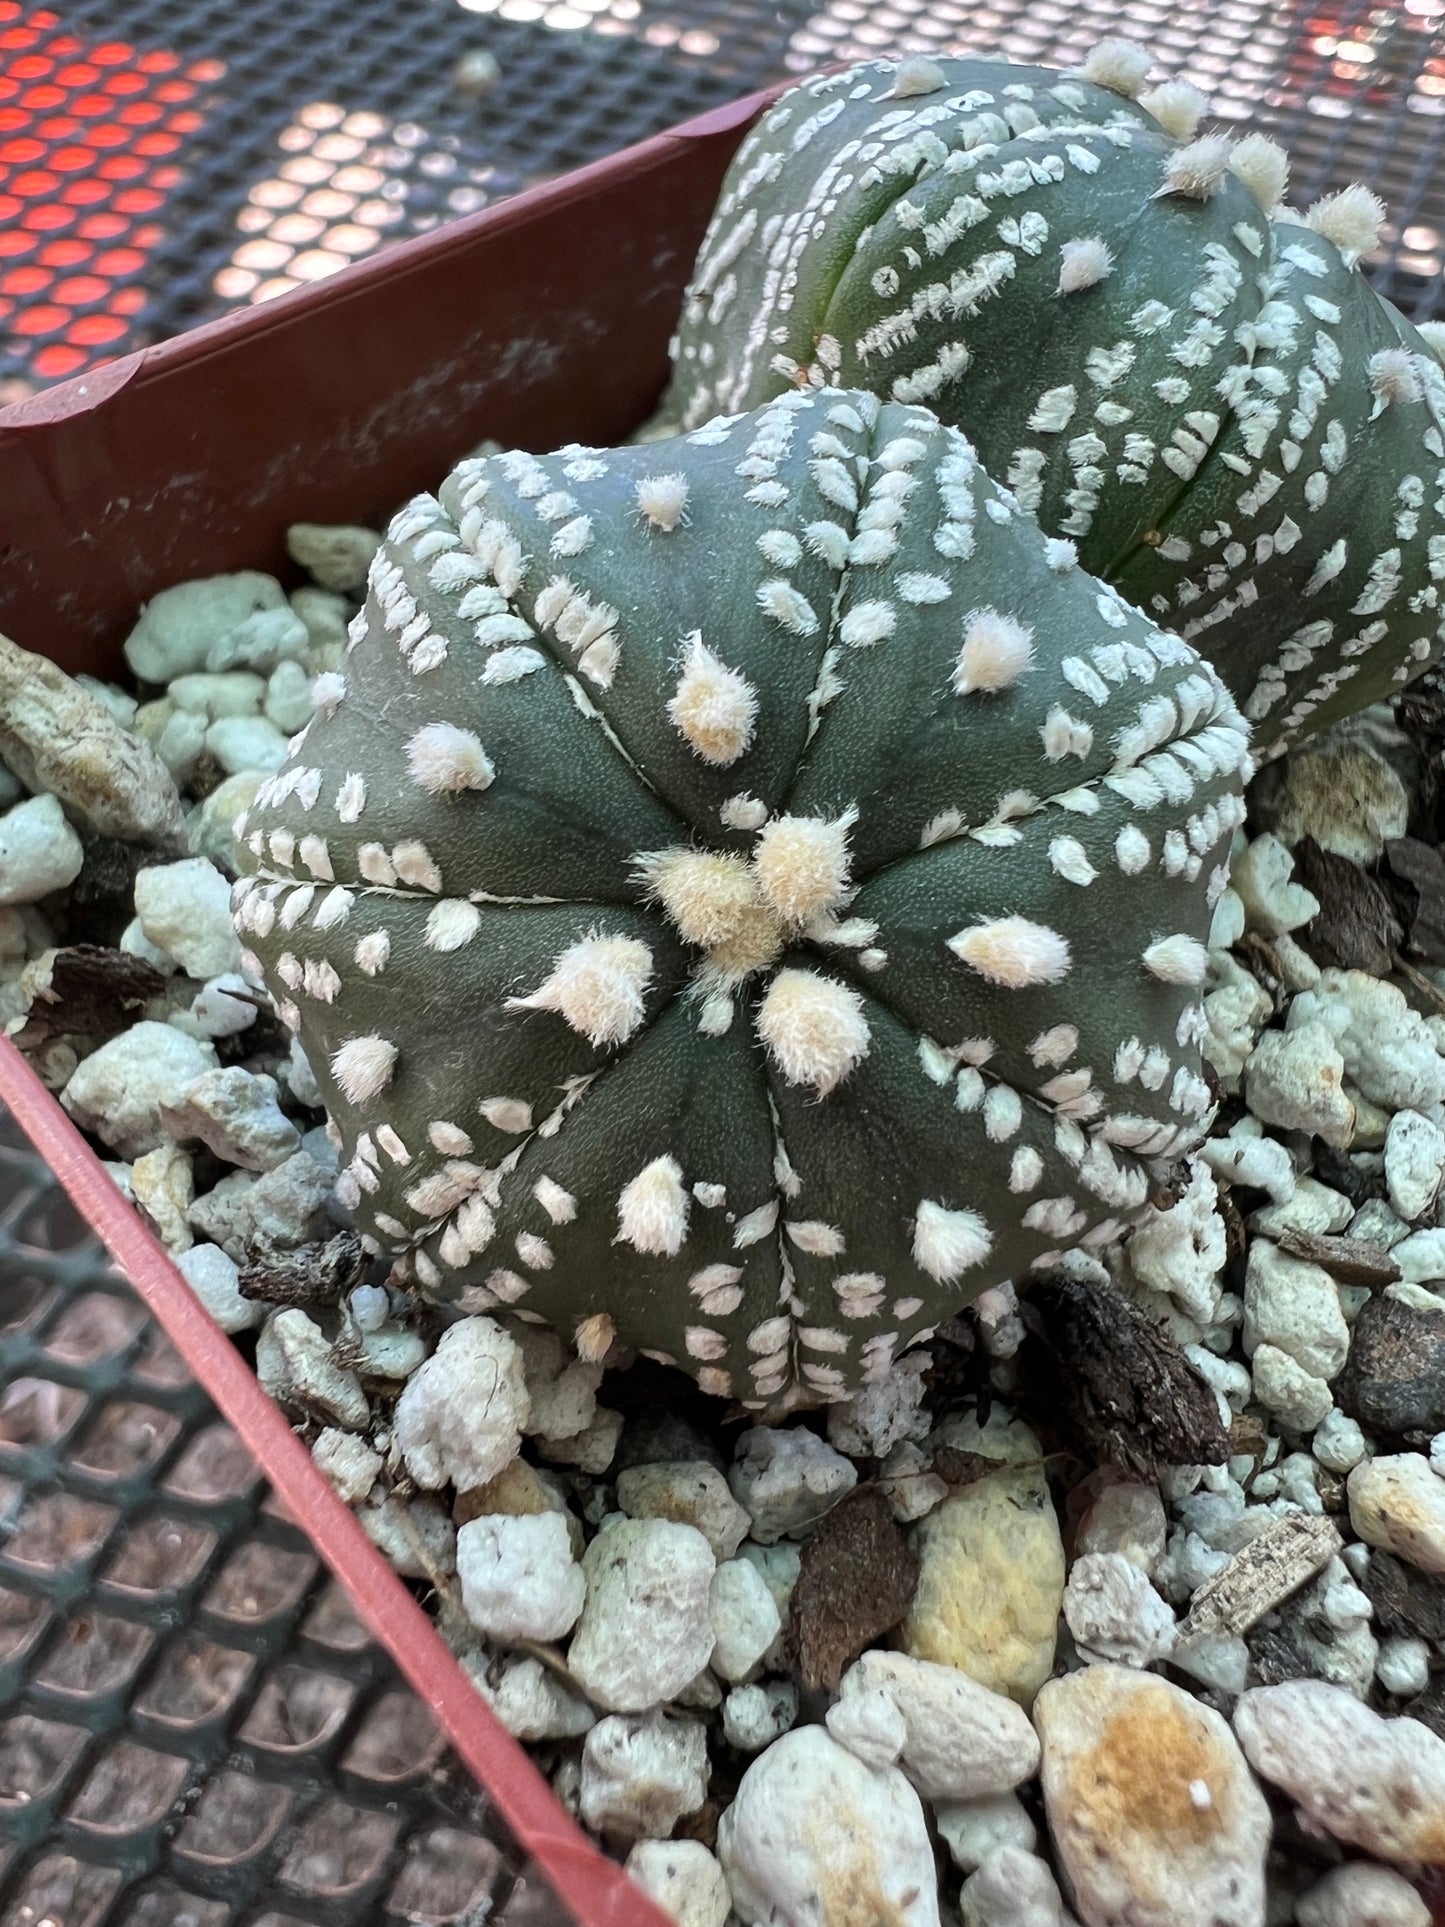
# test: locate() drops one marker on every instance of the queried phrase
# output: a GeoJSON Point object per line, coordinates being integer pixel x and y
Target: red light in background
{"type": "Point", "coordinates": [90, 135]}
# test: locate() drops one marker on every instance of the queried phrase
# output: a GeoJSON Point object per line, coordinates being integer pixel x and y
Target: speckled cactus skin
{"type": "Point", "coordinates": [1162, 361]}
{"type": "Point", "coordinates": [744, 895]}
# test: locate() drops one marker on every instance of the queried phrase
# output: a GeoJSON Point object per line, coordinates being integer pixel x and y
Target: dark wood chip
{"type": "Point", "coordinates": [1260, 1576]}
{"type": "Point", "coordinates": [1416, 872]}
{"type": "Point", "coordinates": [1356, 928]}
{"type": "Point", "coordinates": [93, 992]}
{"type": "Point", "coordinates": [1429, 1710]}
{"type": "Point", "coordinates": [318, 1274]}
{"type": "Point", "coordinates": [1098, 1369]}
{"type": "Point", "coordinates": [958, 1468]}
{"type": "Point", "coordinates": [855, 1583]}
{"type": "Point", "coordinates": [1349, 1261]}
{"type": "Point", "coordinates": [1394, 1377]}
{"type": "Point", "coordinates": [1406, 1600]}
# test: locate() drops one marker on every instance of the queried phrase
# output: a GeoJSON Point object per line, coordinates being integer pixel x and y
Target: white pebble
{"type": "Point", "coordinates": [348, 1461]}
{"type": "Point", "coordinates": [973, 1830]}
{"type": "Point", "coordinates": [1294, 1305]}
{"type": "Point", "coordinates": [519, 1578]}
{"type": "Point", "coordinates": [688, 1490]}
{"type": "Point", "coordinates": [1371, 1782]}
{"type": "Point", "coordinates": [1414, 1163]}
{"type": "Point", "coordinates": [460, 1418]}
{"type": "Point", "coordinates": [1338, 1443]}
{"type": "Point", "coordinates": [185, 910]}
{"type": "Point", "coordinates": [684, 1879]}
{"type": "Point", "coordinates": [745, 1620]}
{"type": "Point", "coordinates": [178, 628]}
{"type": "Point", "coordinates": [870, 1725]}
{"type": "Point", "coordinates": [39, 851]}
{"type": "Point", "coordinates": [1361, 1895]}
{"type": "Point", "coordinates": [530, 1701]}
{"type": "Point", "coordinates": [962, 1741]}
{"type": "Point", "coordinates": [297, 1366]}
{"type": "Point", "coordinates": [641, 1773]}
{"type": "Point", "coordinates": [213, 1277]}
{"type": "Point", "coordinates": [1402, 1665]}
{"type": "Point", "coordinates": [1013, 1888]}
{"type": "Point", "coordinates": [755, 1716]}
{"type": "Point", "coordinates": [787, 1480]}
{"type": "Point", "coordinates": [814, 1836]}
{"type": "Point", "coordinates": [646, 1629]}
{"type": "Point", "coordinates": [246, 742]}
{"type": "Point", "coordinates": [118, 1091]}
{"type": "Point", "coordinates": [1114, 1613]}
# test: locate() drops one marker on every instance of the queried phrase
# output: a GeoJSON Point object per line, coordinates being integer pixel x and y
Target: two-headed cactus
{"type": "Point", "coordinates": [1160, 359]}
{"type": "Point", "coordinates": [744, 896]}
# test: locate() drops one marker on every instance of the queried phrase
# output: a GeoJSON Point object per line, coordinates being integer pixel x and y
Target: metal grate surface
{"type": "Point", "coordinates": [163, 160]}
{"type": "Point", "coordinates": [195, 1729]}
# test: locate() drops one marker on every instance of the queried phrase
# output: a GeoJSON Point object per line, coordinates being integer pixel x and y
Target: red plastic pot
{"type": "Point", "coordinates": [541, 321]}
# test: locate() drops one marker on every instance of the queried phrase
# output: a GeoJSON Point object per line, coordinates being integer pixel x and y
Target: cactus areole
{"type": "Point", "coordinates": [1162, 361]}
{"type": "Point", "coordinates": [744, 896]}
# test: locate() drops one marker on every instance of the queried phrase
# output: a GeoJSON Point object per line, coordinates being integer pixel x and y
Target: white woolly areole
{"type": "Point", "coordinates": [1263, 165]}
{"type": "Point", "coordinates": [948, 1243]}
{"type": "Point", "coordinates": [714, 708]}
{"type": "Point", "coordinates": [363, 1067]}
{"type": "Point", "coordinates": [652, 1210]}
{"type": "Point", "coordinates": [1395, 375]}
{"type": "Point", "coordinates": [446, 760]}
{"type": "Point", "coordinates": [1177, 960]}
{"type": "Point", "coordinates": [662, 499]}
{"type": "Point", "coordinates": [802, 864]}
{"type": "Point", "coordinates": [327, 690]}
{"type": "Point", "coordinates": [1084, 261]}
{"type": "Point", "coordinates": [1120, 65]}
{"type": "Point", "coordinates": [559, 1204]}
{"type": "Point", "coordinates": [1196, 170]}
{"type": "Point", "coordinates": [597, 985]}
{"type": "Point", "coordinates": [1432, 333]}
{"type": "Point", "coordinates": [1014, 952]}
{"type": "Point", "coordinates": [814, 1028]}
{"type": "Point", "coordinates": [1178, 106]}
{"type": "Point", "coordinates": [595, 1337]}
{"type": "Point", "coordinates": [996, 651]}
{"type": "Point", "coordinates": [915, 77]}
{"type": "Point", "coordinates": [451, 924]}
{"type": "Point", "coordinates": [372, 952]}
{"type": "Point", "coordinates": [714, 901]}
{"type": "Point", "coordinates": [1352, 219]}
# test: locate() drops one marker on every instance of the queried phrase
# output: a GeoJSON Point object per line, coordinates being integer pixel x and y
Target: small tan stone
{"type": "Point", "coordinates": [516, 1489]}
{"type": "Point", "coordinates": [991, 1578]}
{"type": "Point", "coordinates": [164, 1188]}
{"type": "Point", "coordinates": [1152, 1808]}
{"type": "Point", "coordinates": [1398, 1502]}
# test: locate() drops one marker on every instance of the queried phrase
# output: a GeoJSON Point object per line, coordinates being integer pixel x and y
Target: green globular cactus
{"type": "Point", "coordinates": [1160, 359]}
{"type": "Point", "coordinates": [744, 896]}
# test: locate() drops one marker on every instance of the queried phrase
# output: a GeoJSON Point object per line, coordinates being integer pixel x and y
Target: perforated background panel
{"type": "Point", "coordinates": [195, 1728]}
{"type": "Point", "coordinates": [163, 160]}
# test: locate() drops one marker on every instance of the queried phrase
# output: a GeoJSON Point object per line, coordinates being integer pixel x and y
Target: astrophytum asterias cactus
{"type": "Point", "coordinates": [744, 896]}
{"type": "Point", "coordinates": [1162, 361]}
